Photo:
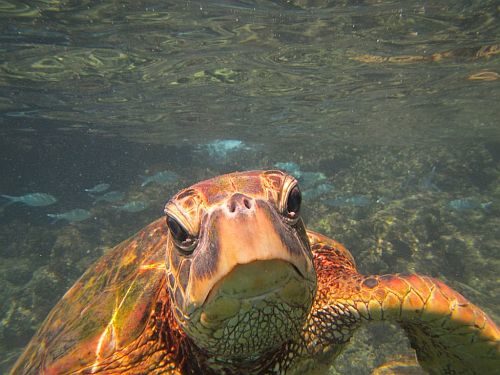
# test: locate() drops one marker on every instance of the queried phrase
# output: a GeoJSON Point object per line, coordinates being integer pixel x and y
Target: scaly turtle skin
{"type": "Point", "coordinates": [233, 283]}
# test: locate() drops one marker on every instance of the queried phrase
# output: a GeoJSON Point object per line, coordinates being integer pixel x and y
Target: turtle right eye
{"type": "Point", "coordinates": [293, 203]}
{"type": "Point", "coordinates": [180, 235]}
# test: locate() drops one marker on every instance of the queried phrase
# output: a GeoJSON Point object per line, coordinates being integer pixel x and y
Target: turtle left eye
{"type": "Point", "coordinates": [293, 203]}
{"type": "Point", "coordinates": [180, 235]}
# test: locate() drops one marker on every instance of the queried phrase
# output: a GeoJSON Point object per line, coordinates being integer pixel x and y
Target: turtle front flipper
{"type": "Point", "coordinates": [450, 334]}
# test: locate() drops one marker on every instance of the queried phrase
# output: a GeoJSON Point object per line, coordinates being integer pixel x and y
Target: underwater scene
{"type": "Point", "coordinates": [386, 112]}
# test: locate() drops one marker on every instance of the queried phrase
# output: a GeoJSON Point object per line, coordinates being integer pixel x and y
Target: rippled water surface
{"type": "Point", "coordinates": [389, 108]}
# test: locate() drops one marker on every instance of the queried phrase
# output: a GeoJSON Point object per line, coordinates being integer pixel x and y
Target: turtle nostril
{"type": "Point", "coordinates": [247, 203]}
{"type": "Point", "coordinates": [239, 202]}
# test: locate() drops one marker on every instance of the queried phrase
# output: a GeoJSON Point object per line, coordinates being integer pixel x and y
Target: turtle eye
{"type": "Point", "coordinates": [293, 203]}
{"type": "Point", "coordinates": [180, 235]}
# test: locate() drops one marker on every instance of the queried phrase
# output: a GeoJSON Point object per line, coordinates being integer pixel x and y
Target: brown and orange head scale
{"type": "Point", "coordinates": [240, 265]}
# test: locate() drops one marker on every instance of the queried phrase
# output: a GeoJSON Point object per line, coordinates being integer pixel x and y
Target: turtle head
{"type": "Point", "coordinates": [240, 268]}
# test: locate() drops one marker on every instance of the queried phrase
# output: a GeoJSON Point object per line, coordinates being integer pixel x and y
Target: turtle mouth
{"type": "Point", "coordinates": [254, 280]}
{"type": "Point", "coordinates": [255, 285]}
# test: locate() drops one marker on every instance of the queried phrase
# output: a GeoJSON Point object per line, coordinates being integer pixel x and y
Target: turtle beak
{"type": "Point", "coordinates": [240, 232]}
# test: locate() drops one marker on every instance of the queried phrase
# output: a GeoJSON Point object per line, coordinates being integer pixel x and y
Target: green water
{"type": "Point", "coordinates": [394, 101]}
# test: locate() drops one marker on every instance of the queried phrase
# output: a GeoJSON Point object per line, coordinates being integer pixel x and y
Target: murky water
{"type": "Point", "coordinates": [394, 104]}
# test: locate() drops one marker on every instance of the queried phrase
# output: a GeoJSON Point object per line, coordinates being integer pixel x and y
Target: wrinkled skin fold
{"type": "Point", "coordinates": [148, 306]}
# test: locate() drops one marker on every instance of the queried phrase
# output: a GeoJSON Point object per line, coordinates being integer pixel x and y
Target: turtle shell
{"type": "Point", "coordinates": [107, 310]}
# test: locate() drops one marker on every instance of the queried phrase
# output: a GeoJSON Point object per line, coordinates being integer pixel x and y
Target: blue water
{"type": "Point", "coordinates": [395, 102]}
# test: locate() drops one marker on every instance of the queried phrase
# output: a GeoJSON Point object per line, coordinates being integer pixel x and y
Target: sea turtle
{"type": "Point", "coordinates": [231, 282]}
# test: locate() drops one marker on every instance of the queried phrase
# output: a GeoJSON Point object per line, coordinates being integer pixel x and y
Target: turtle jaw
{"type": "Point", "coordinates": [256, 280]}
{"type": "Point", "coordinates": [253, 284]}
{"type": "Point", "coordinates": [253, 310]}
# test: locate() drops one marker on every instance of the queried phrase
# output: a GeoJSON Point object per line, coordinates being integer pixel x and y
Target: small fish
{"type": "Point", "coordinates": [355, 201]}
{"type": "Point", "coordinates": [382, 200]}
{"type": "Point", "coordinates": [289, 167]}
{"type": "Point", "coordinates": [318, 191]}
{"type": "Point", "coordinates": [162, 178]}
{"type": "Point", "coordinates": [308, 180]}
{"type": "Point", "coordinates": [220, 148]}
{"type": "Point", "coordinates": [110, 196]}
{"type": "Point", "coordinates": [427, 182]}
{"type": "Point", "coordinates": [134, 206]}
{"type": "Point", "coordinates": [463, 204]}
{"type": "Point", "coordinates": [99, 188]}
{"type": "Point", "coordinates": [73, 216]}
{"type": "Point", "coordinates": [33, 199]}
